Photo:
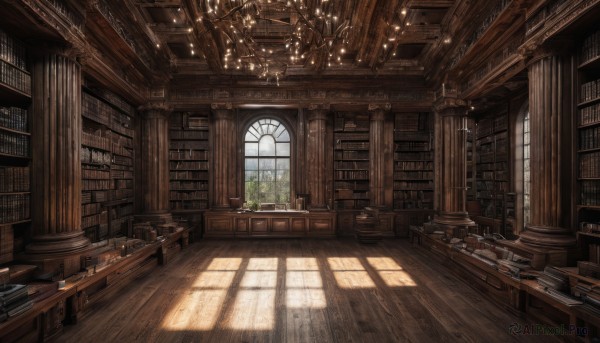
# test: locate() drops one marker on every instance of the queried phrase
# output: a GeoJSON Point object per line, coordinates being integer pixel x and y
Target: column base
{"type": "Point", "coordinates": [547, 237]}
{"type": "Point", "coordinates": [57, 255]}
{"type": "Point", "coordinates": [452, 222]}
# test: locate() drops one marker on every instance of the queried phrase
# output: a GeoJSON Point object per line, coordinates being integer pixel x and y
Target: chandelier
{"type": "Point", "coordinates": [266, 37]}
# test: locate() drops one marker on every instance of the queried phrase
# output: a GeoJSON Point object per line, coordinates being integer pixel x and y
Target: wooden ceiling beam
{"type": "Point", "coordinates": [424, 4]}
{"type": "Point", "coordinates": [160, 4]}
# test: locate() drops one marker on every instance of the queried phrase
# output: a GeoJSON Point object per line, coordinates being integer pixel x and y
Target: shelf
{"type": "Point", "coordinates": [588, 207]}
{"type": "Point", "coordinates": [2, 128]}
{"type": "Point", "coordinates": [588, 178]}
{"type": "Point", "coordinates": [589, 234]}
{"type": "Point", "coordinates": [588, 102]}
{"type": "Point", "coordinates": [588, 125]}
{"type": "Point", "coordinates": [593, 63]}
{"type": "Point", "coordinates": [14, 156]}
{"type": "Point", "coordinates": [14, 193]}
{"type": "Point", "coordinates": [17, 222]}
{"type": "Point", "coordinates": [12, 96]}
{"type": "Point", "coordinates": [189, 210]}
{"type": "Point", "coordinates": [588, 150]}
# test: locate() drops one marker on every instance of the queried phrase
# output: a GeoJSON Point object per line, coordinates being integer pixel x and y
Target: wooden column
{"type": "Point", "coordinates": [56, 160]}
{"type": "Point", "coordinates": [549, 106]}
{"type": "Point", "coordinates": [451, 162]}
{"type": "Point", "coordinates": [315, 155]}
{"type": "Point", "coordinates": [224, 155]}
{"type": "Point", "coordinates": [380, 155]}
{"type": "Point", "coordinates": [155, 163]}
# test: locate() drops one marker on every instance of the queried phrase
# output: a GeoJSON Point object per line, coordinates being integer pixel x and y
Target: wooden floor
{"type": "Point", "coordinates": [297, 291]}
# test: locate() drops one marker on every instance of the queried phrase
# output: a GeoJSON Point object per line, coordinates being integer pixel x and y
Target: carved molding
{"type": "Point", "coordinates": [450, 106]}
{"type": "Point", "coordinates": [380, 107]}
{"type": "Point", "coordinates": [221, 106]}
{"type": "Point", "coordinates": [155, 109]}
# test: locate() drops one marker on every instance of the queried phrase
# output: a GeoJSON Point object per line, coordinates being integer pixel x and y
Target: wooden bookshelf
{"type": "Point", "coordinates": [351, 161]}
{"type": "Point", "coordinates": [107, 157]}
{"type": "Point", "coordinates": [492, 171]}
{"type": "Point", "coordinates": [15, 139]}
{"type": "Point", "coordinates": [588, 148]}
{"type": "Point", "coordinates": [413, 161]}
{"type": "Point", "coordinates": [189, 166]}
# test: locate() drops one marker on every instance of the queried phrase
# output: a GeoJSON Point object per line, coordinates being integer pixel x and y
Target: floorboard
{"type": "Point", "coordinates": [297, 291]}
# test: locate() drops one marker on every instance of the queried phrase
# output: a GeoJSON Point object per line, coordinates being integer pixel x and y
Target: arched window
{"type": "Point", "coordinates": [267, 162]}
{"type": "Point", "coordinates": [526, 170]}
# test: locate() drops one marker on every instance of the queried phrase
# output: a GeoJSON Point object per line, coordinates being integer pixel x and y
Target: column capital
{"type": "Point", "coordinates": [222, 110]}
{"type": "Point", "coordinates": [221, 106]}
{"type": "Point", "coordinates": [318, 111]}
{"type": "Point", "coordinates": [535, 52]}
{"type": "Point", "coordinates": [450, 106]}
{"type": "Point", "coordinates": [155, 109]}
{"type": "Point", "coordinates": [378, 111]}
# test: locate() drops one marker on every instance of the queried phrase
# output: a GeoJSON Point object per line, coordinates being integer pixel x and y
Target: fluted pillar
{"type": "Point", "coordinates": [451, 163]}
{"type": "Point", "coordinates": [224, 157]}
{"type": "Point", "coordinates": [56, 158]}
{"type": "Point", "coordinates": [155, 163]}
{"type": "Point", "coordinates": [380, 177]}
{"type": "Point", "coordinates": [315, 155]}
{"type": "Point", "coordinates": [549, 114]}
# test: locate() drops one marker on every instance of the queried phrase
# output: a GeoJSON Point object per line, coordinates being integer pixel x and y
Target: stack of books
{"type": "Point", "coordinates": [14, 300]}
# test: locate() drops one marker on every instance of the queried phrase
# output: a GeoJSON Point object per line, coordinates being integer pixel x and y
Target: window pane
{"type": "Point", "coordinates": [251, 192]}
{"type": "Point", "coordinates": [267, 175]}
{"type": "Point", "coordinates": [283, 175]}
{"type": "Point", "coordinates": [283, 163]}
{"type": "Point", "coordinates": [267, 163]}
{"type": "Point", "coordinates": [251, 149]}
{"type": "Point", "coordinates": [252, 164]}
{"type": "Point", "coordinates": [266, 146]}
{"type": "Point", "coordinates": [283, 137]}
{"type": "Point", "coordinates": [250, 137]}
{"type": "Point", "coordinates": [283, 149]}
{"type": "Point", "coordinates": [251, 176]}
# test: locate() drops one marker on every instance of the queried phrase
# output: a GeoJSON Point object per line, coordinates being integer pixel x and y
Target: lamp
{"type": "Point", "coordinates": [265, 37]}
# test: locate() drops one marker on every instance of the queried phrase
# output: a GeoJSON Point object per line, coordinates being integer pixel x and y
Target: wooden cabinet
{"type": "Point", "coordinates": [269, 224]}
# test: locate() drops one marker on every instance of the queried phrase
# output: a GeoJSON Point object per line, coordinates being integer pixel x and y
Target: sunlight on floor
{"type": "Point", "coordinates": [262, 263]}
{"type": "Point", "coordinates": [229, 263]}
{"type": "Point", "coordinates": [305, 298]}
{"type": "Point", "coordinates": [301, 263]}
{"type": "Point", "coordinates": [391, 272]}
{"type": "Point", "coordinates": [253, 310]}
{"type": "Point", "coordinates": [258, 279]}
{"type": "Point", "coordinates": [350, 273]}
{"type": "Point", "coordinates": [303, 279]}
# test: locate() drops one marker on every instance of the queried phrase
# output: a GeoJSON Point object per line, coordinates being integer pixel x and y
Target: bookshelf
{"type": "Point", "coordinates": [413, 161]}
{"type": "Point", "coordinates": [15, 192]}
{"type": "Point", "coordinates": [189, 166]}
{"type": "Point", "coordinates": [351, 160]}
{"type": "Point", "coordinates": [588, 148]}
{"type": "Point", "coordinates": [492, 172]}
{"type": "Point", "coordinates": [107, 157]}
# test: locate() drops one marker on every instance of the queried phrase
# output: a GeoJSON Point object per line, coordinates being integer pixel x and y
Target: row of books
{"type": "Point", "coordinates": [351, 155]}
{"type": "Point", "coordinates": [590, 114]}
{"type": "Point", "coordinates": [351, 145]}
{"type": "Point", "coordinates": [351, 124]}
{"type": "Point", "coordinates": [189, 205]}
{"type": "Point", "coordinates": [95, 174]}
{"type": "Point", "coordinates": [120, 184]}
{"type": "Point", "coordinates": [14, 118]}
{"type": "Point", "coordinates": [191, 135]}
{"type": "Point", "coordinates": [95, 156]}
{"type": "Point", "coordinates": [355, 186]}
{"type": "Point", "coordinates": [14, 179]}
{"type": "Point", "coordinates": [121, 174]}
{"type": "Point", "coordinates": [590, 90]}
{"type": "Point", "coordinates": [14, 208]}
{"type": "Point", "coordinates": [95, 219]}
{"type": "Point", "coordinates": [122, 211]}
{"type": "Point", "coordinates": [188, 165]}
{"type": "Point", "coordinates": [121, 150]}
{"type": "Point", "coordinates": [90, 209]}
{"type": "Point", "coordinates": [194, 195]}
{"type": "Point", "coordinates": [95, 141]}
{"type": "Point", "coordinates": [351, 174]}
{"type": "Point", "coordinates": [589, 138]}
{"type": "Point", "coordinates": [188, 154]}
{"type": "Point", "coordinates": [187, 145]}
{"type": "Point", "coordinates": [417, 136]}
{"type": "Point", "coordinates": [413, 204]}
{"type": "Point", "coordinates": [6, 243]}
{"type": "Point", "coordinates": [351, 165]}
{"type": "Point", "coordinates": [589, 227]}
{"type": "Point", "coordinates": [412, 146]}
{"type": "Point", "coordinates": [591, 47]}
{"type": "Point", "coordinates": [590, 193]}
{"type": "Point", "coordinates": [413, 156]}
{"type": "Point", "coordinates": [413, 185]}
{"type": "Point", "coordinates": [412, 175]}
{"type": "Point", "coordinates": [188, 185]}
{"type": "Point", "coordinates": [14, 77]}
{"type": "Point", "coordinates": [594, 251]}
{"type": "Point", "coordinates": [351, 136]}
{"type": "Point", "coordinates": [589, 165]}
{"type": "Point", "coordinates": [426, 195]}
{"type": "Point", "coordinates": [122, 160]}
{"type": "Point", "coordinates": [413, 165]}
{"type": "Point", "coordinates": [95, 185]}
{"type": "Point", "coordinates": [14, 144]}
{"type": "Point", "coordinates": [13, 51]}
{"type": "Point", "coordinates": [197, 123]}
{"type": "Point", "coordinates": [188, 175]}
